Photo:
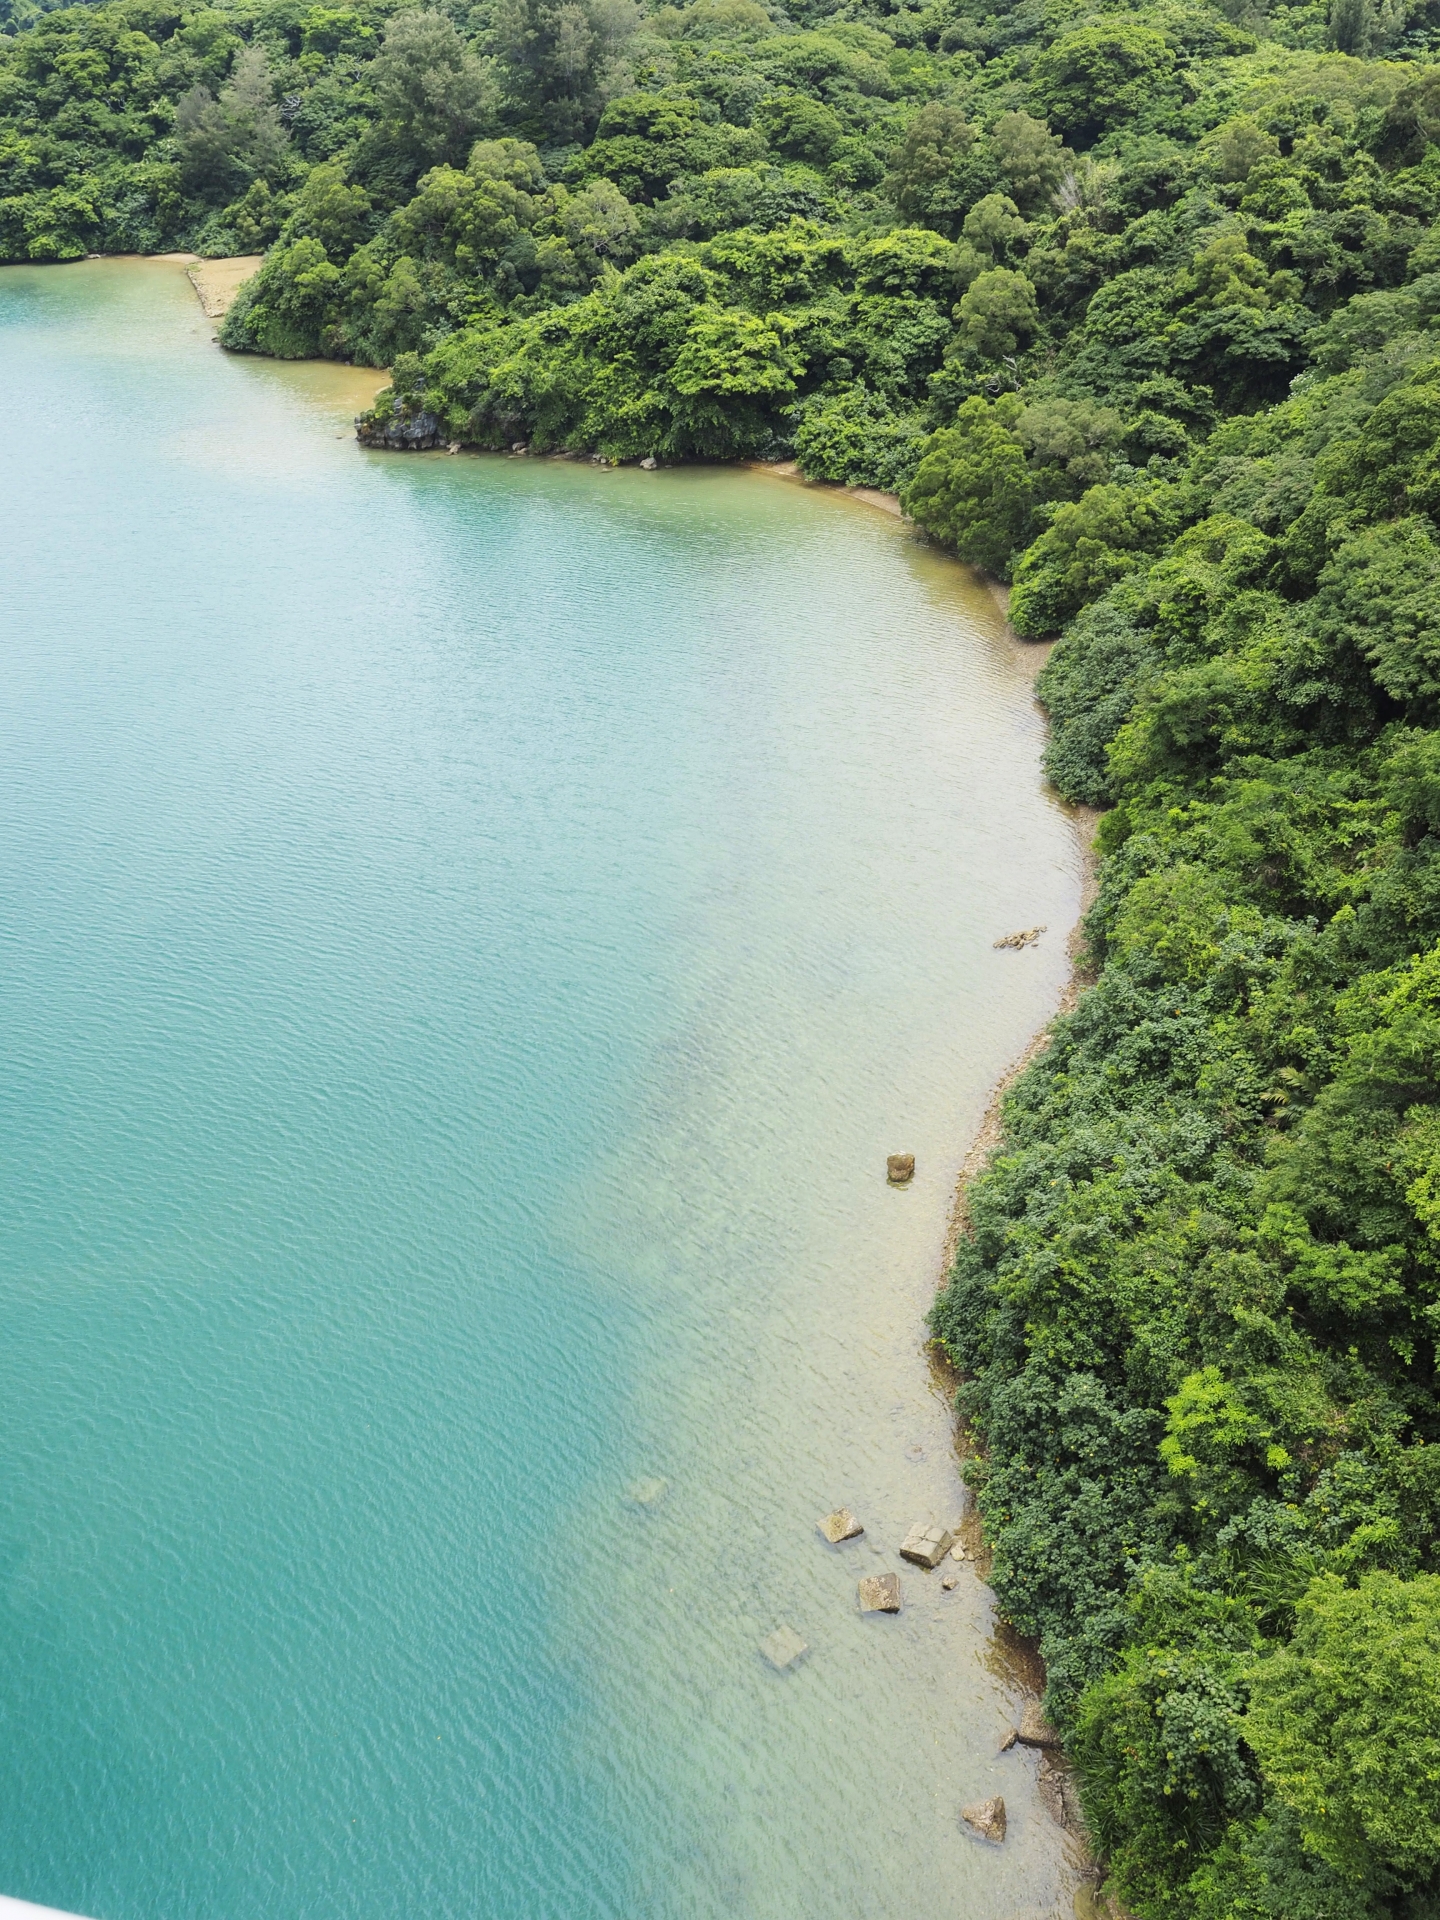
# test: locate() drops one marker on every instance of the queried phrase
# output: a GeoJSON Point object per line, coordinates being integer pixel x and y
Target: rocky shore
{"type": "Point", "coordinates": [398, 426]}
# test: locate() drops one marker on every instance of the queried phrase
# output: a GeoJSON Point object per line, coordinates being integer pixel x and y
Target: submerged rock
{"type": "Point", "coordinates": [1034, 1729]}
{"type": "Point", "coordinates": [1026, 937]}
{"type": "Point", "coordinates": [927, 1546]}
{"type": "Point", "coordinates": [900, 1169]}
{"type": "Point", "coordinates": [840, 1525]}
{"type": "Point", "coordinates": [879, 1593]}
{"type": "Point", "coordinates": [648, 1492]}
{"type": "Point", "coordinates": [987, 1817]}
{"type": "Point", "coordinates": [783, 1648]}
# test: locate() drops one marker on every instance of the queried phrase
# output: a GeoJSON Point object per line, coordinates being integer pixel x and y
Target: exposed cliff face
{"type": "Point", "coordinates": [399, 425]}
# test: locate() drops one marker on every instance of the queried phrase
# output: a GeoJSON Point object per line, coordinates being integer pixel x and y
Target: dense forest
{"type": "Point", "coordinates": [1139, 307]}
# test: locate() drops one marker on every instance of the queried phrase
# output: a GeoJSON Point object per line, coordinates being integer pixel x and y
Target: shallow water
{"type": "Point", "coordinates": [470, 932]}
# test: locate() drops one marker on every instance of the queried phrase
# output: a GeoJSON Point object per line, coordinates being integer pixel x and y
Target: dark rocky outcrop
{"type": "Point", "coordinates": [400, 427]}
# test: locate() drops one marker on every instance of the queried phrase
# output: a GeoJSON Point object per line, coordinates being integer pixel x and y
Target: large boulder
{"type": "Point", "coordinates": [840, 1525]}
{"type": "Point", "coordinates": [879, 1593]}
{"type": "Point", "coordinates": [987, 1817]}
{"type": "Point", "coordinates": [900, 1169]}
{"type": "Point", "coordinates": [927, 1545]}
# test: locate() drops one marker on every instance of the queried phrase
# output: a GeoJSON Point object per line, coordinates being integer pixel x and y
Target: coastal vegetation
{"type": "Point", "coordinates": [1139, 308]}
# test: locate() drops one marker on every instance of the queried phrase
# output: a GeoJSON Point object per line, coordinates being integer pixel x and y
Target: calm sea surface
{"type": "Point", "coordinates": [470, 932]}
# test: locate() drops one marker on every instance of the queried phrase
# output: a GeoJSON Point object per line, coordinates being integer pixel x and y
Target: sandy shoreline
{"type": "Point", "coordinates": [987, 1139]}
{"type": "Point", "coordinates": [1091, 1901]}
{"type": "Point", "coordinates": [216, 282]}
{"type": "Point", "coordinates": [1086, 819]}
{"type": "Point", "coordinates": [789, 470]}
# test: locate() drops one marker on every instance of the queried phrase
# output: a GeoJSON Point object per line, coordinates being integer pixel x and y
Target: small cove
{"type": "Point", "coordinates": [472, 930]}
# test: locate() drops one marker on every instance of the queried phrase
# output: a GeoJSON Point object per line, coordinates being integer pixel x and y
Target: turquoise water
{"type": "Point", "coordinates": [470, 931]}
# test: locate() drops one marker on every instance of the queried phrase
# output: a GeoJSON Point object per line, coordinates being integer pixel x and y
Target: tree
{"type": "Point", "coordinates": [1089, 545]}
{"type": "Point", "coordinates": [600, 225]}
{"type": "Point", "coordinates": [730, 375]}
{"type": "Point", "coordinates": [433, 94]}
{"type": "Point", "coordinates": [921, 183]}
{"type": "Point", "coordinates": [1240, 146]}
{"type": "Point", "coordinates": [1381, 591]}
{"type": "Point", "coordinates": [284, 309]}
{"type": "Point", "coordinates": [643, 141]}
{"type": "Point", "coordinates": [799, 127]}
{"type": "Point", "coordinates": [334, 213]}
{"type": "Point", "coordinates": [972, 488]}
{"type": "Point", "coordinates": [856, 437]}
{"type": "Point", "coordinates": [993, 226]}
{"type": "Point", "coordinates": [998, 314]}
{"type": "Point", "coordinates": [1103, 77]}
{"type": "Point", "coordinates": [564, 58]}
{"type": "Point", "coordinates": [1030, 158]}
{"type": "Point", "coordinates": [1069, 443]}
{"type": "Point", "coordinates": [226, 143]}
{"type": "Point", "coordinates": [1345, 1722]}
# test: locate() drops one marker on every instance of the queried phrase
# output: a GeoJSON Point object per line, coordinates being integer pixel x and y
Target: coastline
{"type": "Point", "coordinates": [789, 470]}
{"type": "Point", "coordinates": [981, 1150]}
{"type": "Point", "coordinates": [1086, 822]}
{"type": "Point", "coordinates": [1056, 1780]}
{"type": "Point", "coordinates": [216, 282]}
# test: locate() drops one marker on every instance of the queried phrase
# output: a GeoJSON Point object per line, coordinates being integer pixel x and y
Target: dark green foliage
{"type": "Point", "coordinates": [228, 143]}
{"type": "Point", "coordinates": [1103, 77]}
{"type": "Point", "coordinates": [1089, 686]}
{"type": "Point", "coordinates": [973, 489]}
{"type": "Point", "coordinates": [1213, 1223]}
{"type": "Point", "coordinates": [1090, 544]}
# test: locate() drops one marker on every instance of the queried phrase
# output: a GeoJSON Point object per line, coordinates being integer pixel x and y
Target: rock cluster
{"type": "Point", "coordinates": [1057, 1793]}
{"type": "Point", "coordinates": [1034, 1729]}
{"type": "Point", "coordinates": [1026, 937]}
{"type": "Point", "coordinates": [648, 1492]}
